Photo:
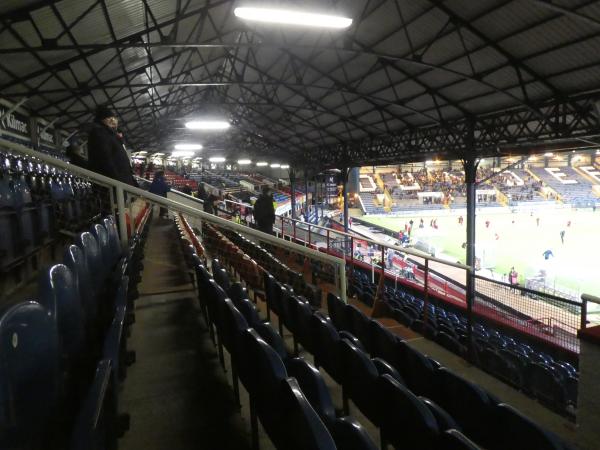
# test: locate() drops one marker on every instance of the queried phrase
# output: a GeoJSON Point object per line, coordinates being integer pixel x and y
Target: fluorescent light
{"type": "Point", "coordinates": [216, 159]}
{"type": "Point", "coordinates": [275, 166]}
{"type": "Point", "coordinates": [262, 164]}
{"type": "Point", "coordinates": [285, 166]}
{"type": "Point", "coordinates": [244, 162]}
{"type": "Point", "coordinates": [182, 154]}
{"type": "Point", "coordinates": [289, 17]}
{"type": "Point", "coordinates": [207, 125]}
{"type": "Point", "coordinates": [549, 155]}
{"type": "Point", "coordinates": [190, 147]}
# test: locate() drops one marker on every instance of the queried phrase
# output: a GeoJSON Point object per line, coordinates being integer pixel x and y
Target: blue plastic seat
{"type": "Point", "coordinates": [313, 386]}
{"type": "Point", "coordinates": [267, 332]}
{"type": "Point", "coordinates": [359, 380]}
{"type": "Point", "coordinates": [336, 309]}
{"type": "Point", "coordinates": [305, 336]}
{"type": "Point", "coordinates": [237, 292]}
{"type": "Point", "coordinates": [543, 383]}
{"type": "Point", "coordinates": [444, 420]}
{"type": "Point", "coordinates": [384, 343]}
{"type": "Point", "coordinates": [29, 379]}
{"type": "Point", "coordinates": [455, 440]}
{"type": "Point", "coordinates": [94, 425]}
{"type": "Point", "coordinates": [467, 403]}
{"type": "Point", "coordinates": [513, 430]}
{"type": "Point", "coordinates": [327, 353]}
{"type": "Point", "coordinates": [59, 294]}
{"type": "Point", "coordinates": [293, 424]}
{"type": "Point", "coordinates": [348, 434]}
{"type": "Point", "coordinates": [249, 311]}
{"type": "Point", "coordinates": [113, 237]}
{"type": "Point", "coordinates": [74, 259]}
{"type": "Point", "coordinates": [405, 421]}
{"type": "Point", "coordinates": [88, 243]}
{"type": "Point", "coordinates": [108, 257]}
{"type": "Point", "coordinates": [417, 370]}
{"type": "Point", "coordinates": [359, 325]}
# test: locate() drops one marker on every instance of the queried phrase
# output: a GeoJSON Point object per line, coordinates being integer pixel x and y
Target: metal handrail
{"type": "Point", "coordinates": [368, 240]}
{"type": "Point", "coordinates": [123, 188]}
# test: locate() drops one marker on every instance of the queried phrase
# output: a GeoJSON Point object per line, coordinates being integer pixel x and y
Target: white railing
{"type": "Point", "coordinates": [121, 189]}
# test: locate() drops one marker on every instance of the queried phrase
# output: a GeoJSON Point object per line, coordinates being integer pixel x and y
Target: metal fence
{"type": "Point", "coordinates": [539, 315]}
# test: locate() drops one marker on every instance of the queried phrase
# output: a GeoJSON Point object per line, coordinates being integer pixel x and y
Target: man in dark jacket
{"type": "Point", "coordinates": [106, 153]}
{"type": "Point", "coordinates": [160, 187]}
{"type": "Point", "coordinates": [209, 204]}
{"type": "Point", "coordinates": [264, 212]}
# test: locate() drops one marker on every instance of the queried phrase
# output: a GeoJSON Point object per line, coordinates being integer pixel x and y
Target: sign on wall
{"type": "Point", "coordinates": [14, 122]}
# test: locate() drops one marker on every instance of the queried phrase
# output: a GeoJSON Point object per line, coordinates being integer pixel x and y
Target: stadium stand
{"type": "Point", "coordinates": [568, 184]}
{"type": "Point", "coordinates": [350, 347]}
{"type": "Point", "coordinates": [532, 371]}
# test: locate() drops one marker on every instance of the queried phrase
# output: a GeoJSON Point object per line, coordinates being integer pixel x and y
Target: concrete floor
{"type": "Point", "coordinates": [177, 394]}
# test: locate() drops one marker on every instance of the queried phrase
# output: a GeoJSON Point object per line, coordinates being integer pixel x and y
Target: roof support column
{"type": "Point", "coordinates": [344, 174]}
{"type": "Point", "coordinates": [470, 165]}
{"type": "Point", "coordinates": [292, 174]}
{"type": "Point", "coordinates": [306, 193]}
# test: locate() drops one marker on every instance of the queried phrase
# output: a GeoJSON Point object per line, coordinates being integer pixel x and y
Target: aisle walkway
{"type": "Point", "coordinates": [176, 392]}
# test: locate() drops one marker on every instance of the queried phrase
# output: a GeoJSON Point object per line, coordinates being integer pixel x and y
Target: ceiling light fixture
{"type": "Point", "coordinates": [244, 162]}
{"type": "Point", "coordinates": [262, 164]}
{"type": "Point", "coordinates": [285, 166]}
{"type": "Point", "coordinates": [182, 154]}
{"type": "Point", "coordinates": [188, 147]}
{"type": "Point", "coordinates": [275, 166]}
{"type": "Point", "coordinates": [549, 155]}
{"type": "Point", "coordinates": [289, 17]}
{"type": "Point", "coordinates": [216, 159]}
{"type": "Point", "coordinates": [207, 125]}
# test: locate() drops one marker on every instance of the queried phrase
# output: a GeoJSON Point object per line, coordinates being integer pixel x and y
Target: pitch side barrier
{"type": "Point", "coordinates": [122, 194]}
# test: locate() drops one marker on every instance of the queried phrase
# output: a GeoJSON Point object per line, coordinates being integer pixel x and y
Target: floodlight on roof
{"type": "Point", "coordinates": [207, 125]}
{"type": "Point", "coordinates": [216, 159]}
{"type": "Point", "coordinates": [285, 166]}
{"type": "Point", "coordinates": [290, 17]}
{"type": "Point", "coordinates": [244, 162]}
{"type": "Point", "coordinates": [262, 164]}
{"type": "Point", "coordinates": [188, 147]}
{"type": "Point", "coordinates": [275, 166]}
{"type": "Point", "coordinates": [182, 154]}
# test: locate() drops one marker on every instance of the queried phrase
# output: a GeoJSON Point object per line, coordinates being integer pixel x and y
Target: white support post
{"type": "Point", "coordinates": [121, 214]}
{"type": "Point", "coordinates": [342, 277]}
{"type": "Point", "coordinates": [113, 206]}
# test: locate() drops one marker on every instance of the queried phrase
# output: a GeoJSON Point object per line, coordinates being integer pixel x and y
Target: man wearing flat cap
{"type": "Point", "coordinates": [106, 153]}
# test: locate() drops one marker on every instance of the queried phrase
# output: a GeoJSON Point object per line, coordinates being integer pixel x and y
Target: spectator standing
{"type": "Point", "coordinates": [513, 277]}
{"type": "Point", "coordinates": [562, 236]}
{"type": "Point", "coordinates": [160, 187]}
{"type": "Point", "coordinates": [201, 192]}
{"type": "Point", "coordinates": [209, 204]}
{"type": "Point", "coordinates": [264, 211]}
{"type": "Point", "coordinates": [106, 152]}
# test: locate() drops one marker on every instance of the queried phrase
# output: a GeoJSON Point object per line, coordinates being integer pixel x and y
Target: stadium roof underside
{"type": "Point", "coordinates": [410, 80]}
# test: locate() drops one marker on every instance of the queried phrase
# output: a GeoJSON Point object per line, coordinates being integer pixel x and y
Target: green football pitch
{"type": "Point", "coordinates": [515, 239]}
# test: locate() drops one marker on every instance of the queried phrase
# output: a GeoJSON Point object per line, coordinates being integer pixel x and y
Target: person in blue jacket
{"type": "Point", "coordinates": [160, 187]}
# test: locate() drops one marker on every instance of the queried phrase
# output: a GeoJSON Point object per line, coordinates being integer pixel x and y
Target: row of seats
{"type": "Point", "coordinates": [214, 240]}
{"type": "Point", "coordinates": [373, 383]}
{"type": "Point", "coordinates": [287, 394]}
{"type": "Point", "coordinates": [553, 382]}
{"type": "Point", "coordinates": [35, 202]}
{"type": "Point", "coordinates": [62, 357]}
